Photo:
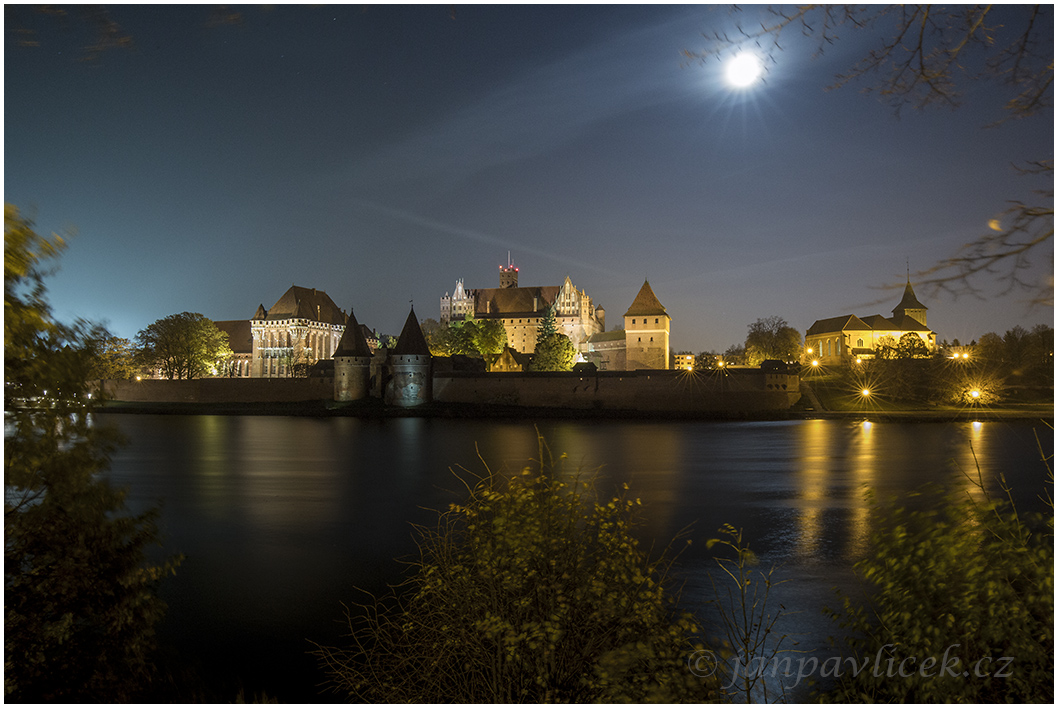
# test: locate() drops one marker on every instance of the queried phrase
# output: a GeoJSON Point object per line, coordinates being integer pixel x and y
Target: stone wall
{"type": "Point", "coordinates": [220, 391]}
{"type": "Point", "coordinates": [643, 390]}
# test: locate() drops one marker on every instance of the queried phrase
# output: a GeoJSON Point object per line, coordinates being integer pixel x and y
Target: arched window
{"type": "Point", "coordinates": [859, 342]}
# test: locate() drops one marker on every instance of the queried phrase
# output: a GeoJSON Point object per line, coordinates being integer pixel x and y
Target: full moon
{"type": "Point", "coordinates": [743, 69]}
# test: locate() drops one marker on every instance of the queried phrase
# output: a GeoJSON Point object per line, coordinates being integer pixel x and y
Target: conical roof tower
{"type": "Point", "coordinates": [646, 303]}
{"type": "Point", "coordinates": [353, 343]}
{"type": "Point", "coordinates": [411, 340]}
{"type": "Point", "coordinates": [410, 377]}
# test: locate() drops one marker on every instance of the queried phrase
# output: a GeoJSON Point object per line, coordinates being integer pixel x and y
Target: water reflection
{"type": "Point", "coordinates": [281, 518]}
{"type": "Point", "coordinates": [815, 456]}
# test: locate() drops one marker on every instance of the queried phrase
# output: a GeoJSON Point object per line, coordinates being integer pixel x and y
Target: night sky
{"type": "Point", "coordinates": [381, 153]}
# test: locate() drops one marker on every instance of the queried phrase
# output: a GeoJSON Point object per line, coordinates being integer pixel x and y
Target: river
{"type": "Point", "coordinates": [282, 518]}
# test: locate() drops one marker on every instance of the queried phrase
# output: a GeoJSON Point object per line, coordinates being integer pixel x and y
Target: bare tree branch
{"type": "Point", "coordinates": [925, 53]}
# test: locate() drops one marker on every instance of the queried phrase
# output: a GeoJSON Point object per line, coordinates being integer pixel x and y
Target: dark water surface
{"type": "Point", "coordinates": [281, 518]}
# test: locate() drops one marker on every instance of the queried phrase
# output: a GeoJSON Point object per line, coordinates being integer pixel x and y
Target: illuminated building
{"type": "Point", "coordinates": [644, 342]}
{"type": "Point", "coordinates": [521, 309]}
{"type": "Point", "coordinates": [847, 337]}
{"type": "Point", "coordinates": [303, 327]}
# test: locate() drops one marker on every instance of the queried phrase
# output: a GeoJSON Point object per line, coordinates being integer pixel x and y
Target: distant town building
{"type": "Point", "coordinates": [684, 361]}
{"type": "Point", "coordinates": [521, 309]}
{"type": "Point", "coordinates": [844, 338]}
{"type": "Point", "coordinates": [642, 344]}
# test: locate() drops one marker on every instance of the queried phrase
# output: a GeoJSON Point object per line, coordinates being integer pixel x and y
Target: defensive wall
{"type": "Point", "coordinates": [726, 391]}
{"type": "Point", "coordinates": [219, 391]}
{"type": "Point", "coordinates": [641, 390]}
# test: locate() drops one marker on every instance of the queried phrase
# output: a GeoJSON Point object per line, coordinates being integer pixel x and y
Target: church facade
{"type": "Point", "coordinates": [521, 309]}
{"type": "Point", "coordinates": [841, 339]}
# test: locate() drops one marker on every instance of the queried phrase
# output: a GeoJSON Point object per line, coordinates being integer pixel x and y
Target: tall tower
{"type": "Point", "coordinates": [411, 378]}
{"type": "Point", "coordinates": [508, 274]}
{"type": "Point", "coordinates": [646, 332]}
{"type": "Point", "coordinates": [352, 363]}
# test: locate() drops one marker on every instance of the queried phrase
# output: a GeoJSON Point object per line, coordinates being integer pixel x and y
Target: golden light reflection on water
{"type": "Point", "coordinates": [837, 465]}
{"type": "Point", "coordinates": [863, 458]}
{"type": "Point", "coordinates": [811, 501]}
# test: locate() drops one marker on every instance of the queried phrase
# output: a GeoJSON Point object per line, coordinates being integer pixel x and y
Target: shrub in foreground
{"type": "Point", "coordinates": [533, 590]}
{"type": "Point", "coordinates": [960, 608]}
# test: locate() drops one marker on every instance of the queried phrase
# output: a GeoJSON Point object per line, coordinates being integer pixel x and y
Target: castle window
{"type": "Point", "coordinates": [859, 342]}
{"type": "Point", "coordinates": [655, 321]}
{"type": "Point", "coordinates": [633, 321]}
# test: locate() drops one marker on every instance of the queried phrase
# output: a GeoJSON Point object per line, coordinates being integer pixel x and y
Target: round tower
{"type": "Point", "coordinates": [352, 362]}
{"type": "Point", "coordinates": [411, 379]}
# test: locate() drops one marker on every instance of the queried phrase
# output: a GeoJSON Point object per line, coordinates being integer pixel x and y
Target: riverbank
{"type": "Point", "coordinates": [375, 409]}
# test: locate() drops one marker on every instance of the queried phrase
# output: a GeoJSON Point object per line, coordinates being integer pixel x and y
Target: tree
{"type": "Point", "coordinates": [548, 326]}
{"type": "Point", "coordinates": [706, 360]}
{"type": "Point", "coordinates": [115, 359]}
{"type": "Point", "coordinates": [911, 346]}
{"type": "Point", "coordinates": [80, 603]}
{"type": "Point", "coordinates": [489, 337]}
{"type": "Point", "coordinates": [735, 354]}
{"type": "Point", "coordinates": [184, 346]}
{"type": "Point", "coordinates": [961, 586]}
{"type": "Point", "coordinates": [925, 55]}
{"type": "Point", "coordinates": [772, 338]}
{"type": "Point", "coordinates": [886, 348]}
{"type": "Point", "coordinates": [533, 590]}
{"type": "Point", "coordinates": [554, 353]}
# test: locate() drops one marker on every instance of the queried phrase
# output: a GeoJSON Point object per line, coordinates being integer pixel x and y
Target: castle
{"type": "Point", "coordinates": [521, 309]}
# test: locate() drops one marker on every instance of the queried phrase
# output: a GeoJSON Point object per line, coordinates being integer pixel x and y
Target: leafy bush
{"type": "Point", "coordinates": [80, 607]}
{"type": "Point", "coordinates": [534, 590]}
{"type": "Point", "coordinates": [961, 608]}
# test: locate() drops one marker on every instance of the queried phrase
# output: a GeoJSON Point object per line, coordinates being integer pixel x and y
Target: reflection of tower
{"type": "Point", "coordinates": [508, 274]}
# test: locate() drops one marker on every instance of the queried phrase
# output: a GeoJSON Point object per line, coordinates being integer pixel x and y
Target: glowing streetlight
{"type": "Point", "coordinates": [815, 362]}
{"type": "Point", "coordinates": [866, 392]}
{"type": "Point", "coordinates": [976, 394]}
